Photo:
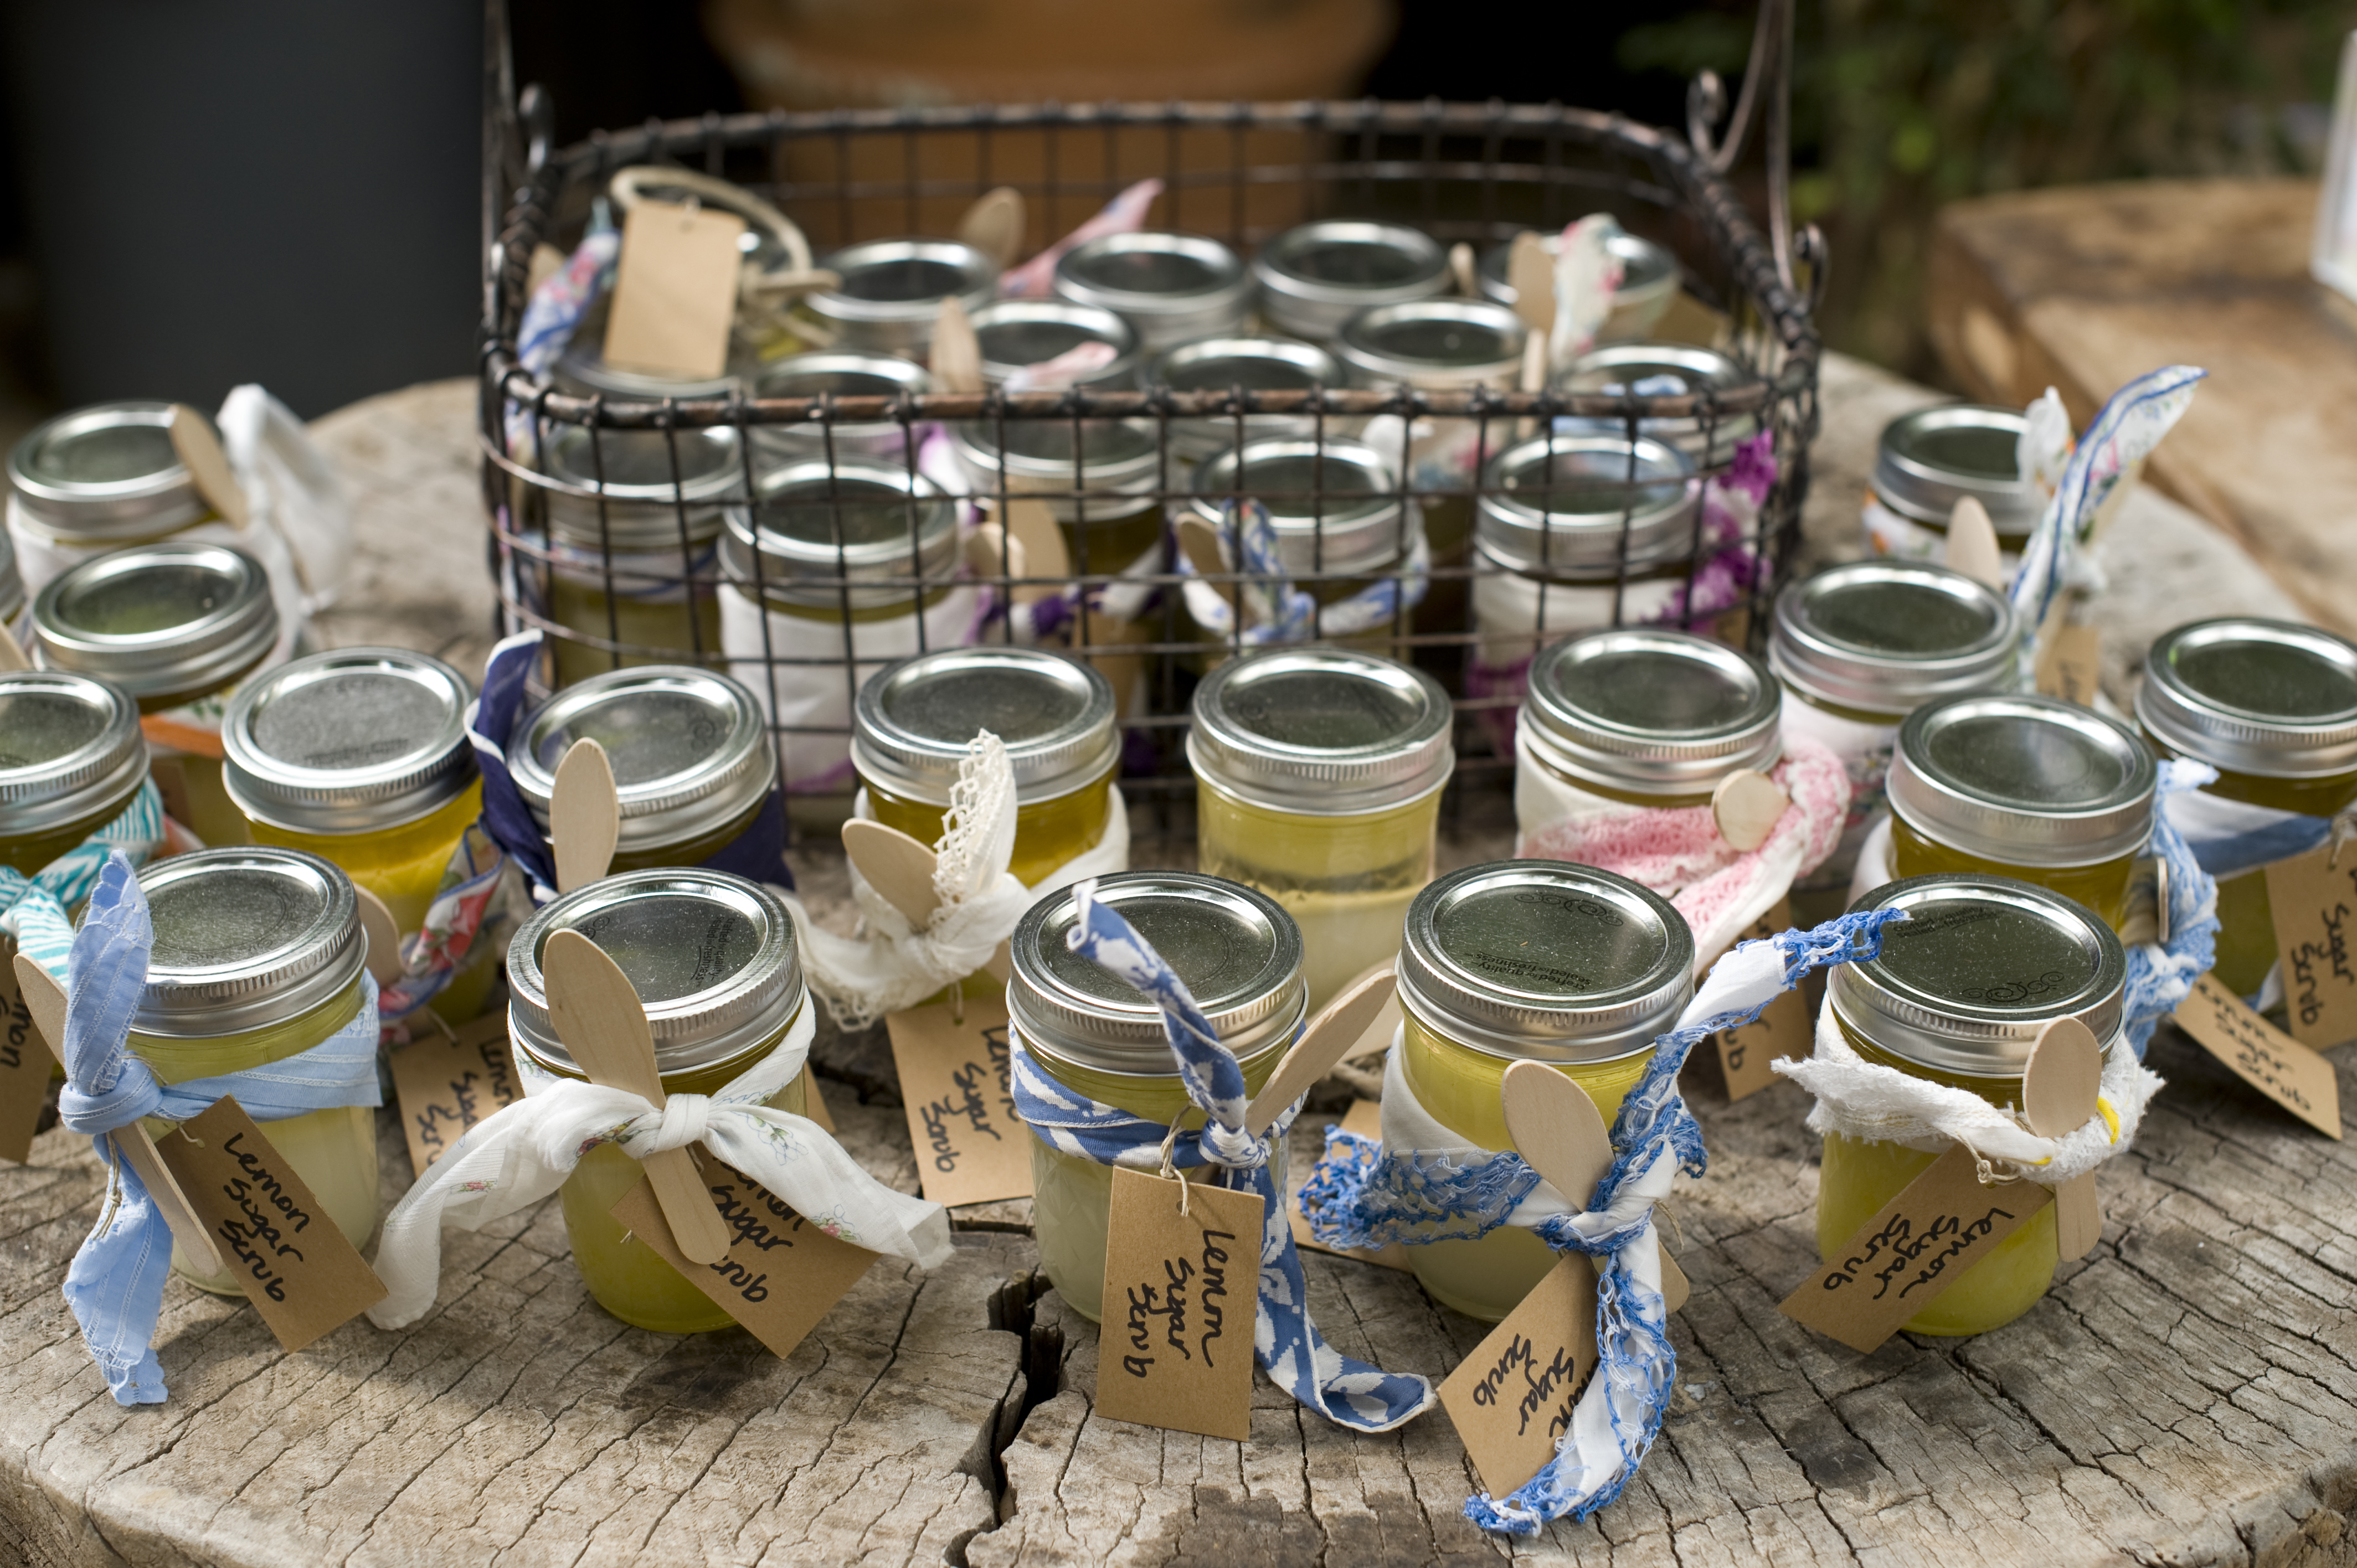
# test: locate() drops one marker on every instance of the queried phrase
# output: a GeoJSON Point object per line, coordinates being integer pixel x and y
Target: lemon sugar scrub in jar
{"type": "Point", "coordinates": [1239, 954]}
{"type": "Point", "coordinates": [1958, 995]}
{"type": "Point", "coordinates": [72, 761]}
{"type": "Point", "coordinates": [1527, 960]}
{"type": "Point", "coordinates": [1317, 780]}
{"type": "Point", "coordinates": [713, 958]}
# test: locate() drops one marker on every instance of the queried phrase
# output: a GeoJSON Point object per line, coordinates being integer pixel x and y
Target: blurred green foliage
{"type": "Point", "coordinates": [1902, 105]}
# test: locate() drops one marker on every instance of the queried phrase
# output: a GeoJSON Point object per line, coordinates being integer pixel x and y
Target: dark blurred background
{"type": "Point", "coordinates": [199, 192]}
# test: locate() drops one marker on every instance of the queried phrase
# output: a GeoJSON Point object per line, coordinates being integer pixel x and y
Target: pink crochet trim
{"type": "Point", "coordinates": [1678, 853]}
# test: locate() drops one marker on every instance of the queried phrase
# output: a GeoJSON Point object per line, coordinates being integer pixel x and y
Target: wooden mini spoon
{"type": "Point", "coordinates": [1560, 1134]}
{"type": "Point", "coordinates": [901, 869]}
{"type": "Point", "coordinates": [597, 1015]}
{"type": "Point", "coordinates": [1531, 271]}
{"type": "Point", "coordinates": [1971, 543]}
{"type": "Point", "coordinates": [1329, 1036]}
{"type": "Point", "coordinates": [44, 999]}
{"type": "Point", "coordinates": [955, 357]}
{"type": "Point", "coordinates": [12, 652]}
{"type": "Point", "coordinates": [2058, 1091]}
{"type": "Point", "coordinates": [1746, 805]}
{"type": "Point", "coordinates": [199, 451]}
{"type": "Point", "coordinates": [993, 224]}
{"type": "Point", "coordinates": [383, 937]}
{"type": "Point", "coordinates": [585, 815]}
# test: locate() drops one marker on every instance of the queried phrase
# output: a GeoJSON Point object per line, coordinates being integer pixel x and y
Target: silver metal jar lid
{"type": "Point", "coordinates": [689, 749]}
{"type": "Point", "coordinates": [1885, 637]}
{"type": "Point", "coordinates": [245, 939]}
{"type": "Point", "coordinates": [1545, 960]}
{"type": "Point", "coordinates": [11, 582]}
{"type": "Point", "coordinates": [1251, 364]}
{"type": "Point", "coordinates": [1652, 712]}
{"type": "Point", "coordinates": [1979, 966]}
{"type": "Point", "coordinates": [712, 956]}
{"type": "Point", "coordinates": [348, 742]}
{"type": "Point", "coordinates": [1318, 275]}
{"type": "Point", "coordinates": [1334, 506]}
{"type": "Point", "coordinates": [106, 472]}
{"type": "Point", "coordinates": [1238, 952]}
{"type": "Point", "coordinates": [642, 493]}
{"type": "Point", "coordinates": [864, 522]}
{"type": "Point", "coordinates": [1632, 368]}
{"type": "Point", "coordinates": [159, 619]}
{"type": "Point", "coordinates": [1019, 335]}
{"type": "Point", "coordinates": [70, 747]}
{"type": "Point", "coordinates": [1321, 732]}
{"type": "Point", "coordinates": [913, 721]}
{"type": "Point", "coordinates": [1170, 287]}
{"type": "Point", "coordinates": [840, 374]}
{"type": "Point", "coordinates": [2271, 698]}
{"type": "Point", "coordinates": [1588, 505]}
{"type": "Point", "coordinates": [2024, 780]}
{"type": "Point", "coordinates": [1119, 456]}
{"type": "Point", "coordinates": [1929, 460]}
{"type": "Point", "coordinates": [1435, 344]}
{"type": "Point", "coordinates": [1646, 270]}
{"type": "Point", "coordinates": [892, 291]}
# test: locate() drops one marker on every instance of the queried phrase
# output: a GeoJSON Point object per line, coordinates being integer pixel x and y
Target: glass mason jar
{"type": "Point", "coordinates": [856, 565]}
{"type": "Point", "coordinates": [177, 626]}
{"type": "Point", "coordinates": [1317, 780]}
{"type": "Point", "coordinates": [1096, 481]}
{"type": "Point", "coordinates": [258, 957]}
{"type": "Point", "coordinates": [1670, 370]}
{"type": "Point", "coordinates": [1929, 460]}
{"type": "Point", "coordinates": [839, 373]}
{"type": "Point", "coordinates": [1528, 961]}
{"type": "Point", "coordinates": [713, 958]}
{"type": "Point", "coordinates": [1445, 346]}
{"type": "Point", "coordinates": [1170, 288]}
{"type": "Point", "coordinates": [1642, 716]}
{"type": "Point", "coordinates": [1594, 531]}
{"type": "Point", "coordinates": [692, 759]}
{"type": "Point", "coordinates": [2272, 705]}
{"type": "Point", "coordinates": [1239, 364]}
{"type": "Point", "coordinates": [892, 290]}
{"type": "Point", "coordinates": [913, 722]}
{"type": "Point", "coordinates": [72, 761]}
{"type": "Point", "coordinates": [1957, 997]}
{"type": "Point", "coordinates": [2033, 788]}
{"type": "Point", "coordinates": [1237, 952]}
{"type": "Point", "coordinates": [1335, 507]}
{"type": "Point", "coordinates": [633, 556]}
{"type": "Point", "coordinates": [1860, 646]}
{"type": "Point", "coordinates": [1649, 282]}
{"type": "Point", "coordinates": [361, 757]}
{"type": "Point", "coordinates": [1316, 277]}
{"type": "Point", "coordinates": [1017, 337]}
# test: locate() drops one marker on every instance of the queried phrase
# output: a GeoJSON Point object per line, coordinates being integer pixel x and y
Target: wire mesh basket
{"type": "Point", "coordinates": [1155, 622]}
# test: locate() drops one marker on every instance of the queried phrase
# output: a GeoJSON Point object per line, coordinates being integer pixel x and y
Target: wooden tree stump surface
{"type": "Point", "coordinates": [2186, 1394]}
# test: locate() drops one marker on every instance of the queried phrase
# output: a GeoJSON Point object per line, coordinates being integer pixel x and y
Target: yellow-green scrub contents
{"type": "Point", "coordinates": [1958, 995]}
{"type": "Point", "coordinates": [693, 765]}
{"type": "Point", "coordinates": [2272, 705]}
{"type": "Point", "coordinates": [71, 760]}
{"type": "Point", "coordinates": [713, 960]}
{"type": "Point", "coordinates": [1241, 956]}
{"type": "Point", "coordinates": [1527, 960]}
{"type": "Point", "coordinates": [258, 957]}
{"type": "Point", "coordinates": [2028, 787]}
{"type": "Point", "coordinates": [1098, 480]}
{"type": "Point", "coordinates": [178, 626]}
{"type": "Point", "coordinates": [1317, 780]}
{"type": "Point", "coordinates": [914, 720]}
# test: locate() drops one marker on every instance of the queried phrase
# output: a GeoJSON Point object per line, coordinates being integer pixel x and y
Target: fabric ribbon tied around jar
{"type": "Point", "coordinates": [115, 1283]}
{"type": "Point", "coordinates": [1424, 1183]}
{"type": "Point", "coordinates": [1276, 611]}
{"type": "Point", "coordinates": [1679, 852]}
{"type": "Point", "coordinates": [1351, 1393]}
{"type": "Point", "coordinates": [523, 1151]}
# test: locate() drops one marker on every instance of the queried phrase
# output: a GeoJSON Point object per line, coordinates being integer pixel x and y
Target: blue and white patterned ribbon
{"type": "Point", "coordinates": [115, 1283]}
{"type": "Point", "coordinates": [2231, 837]}
{"type": "Point", "coordinates": [556, 311]}
{"type": "Point", "coordinates": [2160, 974]}
{"type": "Point", "coordinates": [34, 908]}
{"type": "Point", "coordinates": [1351, 1393]}
{"type": "Point", "coordinates": [1279, 612]}
{"type": "Point", "coordinates": [1364, 1196]}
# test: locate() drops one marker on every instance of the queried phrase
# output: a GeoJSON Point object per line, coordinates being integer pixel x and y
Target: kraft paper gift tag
{"type": "Point", "coordinates": [298, 1270]}
{"type": "Point", "coordinates": [1897, 1263]}
{"type": "Point", "coordinates": [25, 1063]}
{"type": "Point", "coordinates": [2314, 902]}
{"type": "Point", "coordinates": [1181, 1297]}
{"type": "Point", "coordinates": [2260, 1054]}
{"type": "Point", "coordinates": [446, 1080]}
{"type": "Point", "coordinates": [675, 291]}
{"type": "Point", "coordinates": [1512, 1399]}
{"type": "Point", "coordinates": [971, 1146]}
